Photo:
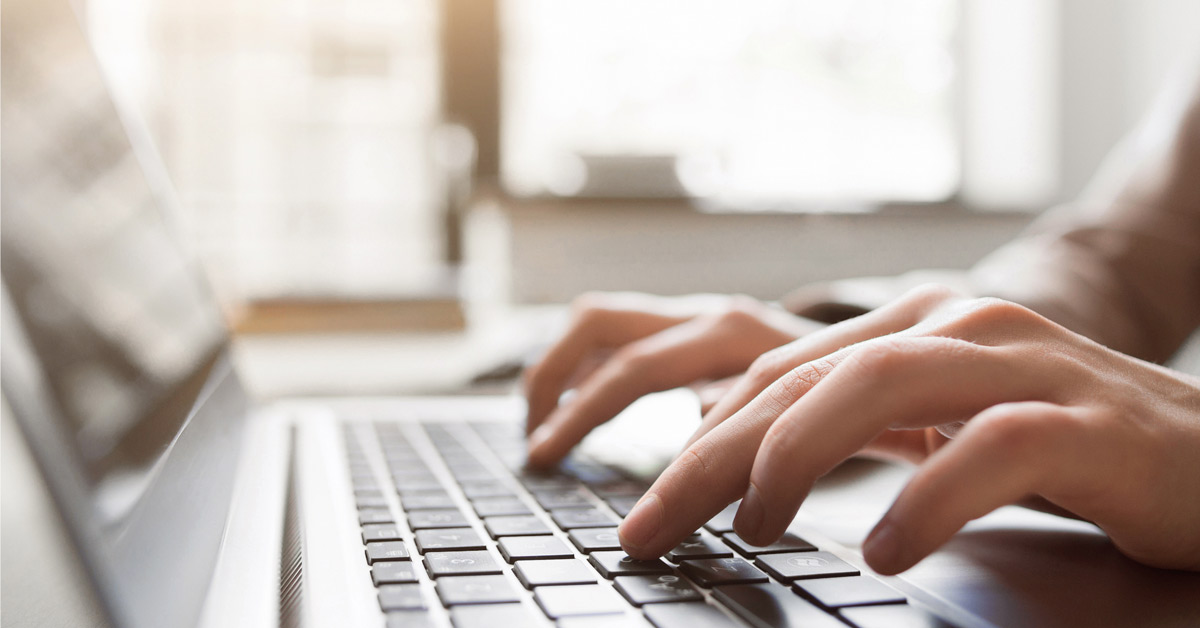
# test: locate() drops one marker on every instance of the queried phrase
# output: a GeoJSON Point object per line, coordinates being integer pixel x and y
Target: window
{"type": "Point", "coordinates": [756, 102]}
{"type": "Point", "coordinates": [296, 133]}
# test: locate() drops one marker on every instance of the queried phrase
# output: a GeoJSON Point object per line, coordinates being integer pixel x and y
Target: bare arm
{"type": "Point", "coordinates": [1121, 265]}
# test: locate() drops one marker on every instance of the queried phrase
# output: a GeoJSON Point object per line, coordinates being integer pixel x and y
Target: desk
{"type": "Point", "coordinates": [402, 363]}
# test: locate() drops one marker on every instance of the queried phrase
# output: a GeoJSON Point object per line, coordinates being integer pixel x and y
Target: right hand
{"type": "Point", "coordinates": [622, 346]}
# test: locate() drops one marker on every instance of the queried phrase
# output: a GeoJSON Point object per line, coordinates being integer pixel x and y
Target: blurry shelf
{"type": "Point", "coordinates": [291, 315]}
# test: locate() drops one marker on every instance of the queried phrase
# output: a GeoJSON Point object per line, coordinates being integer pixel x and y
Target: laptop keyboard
{"type": "Point", "coordinates": [456, 530]}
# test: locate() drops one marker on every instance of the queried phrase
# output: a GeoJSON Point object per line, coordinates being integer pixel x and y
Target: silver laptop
{"type": "Point", "coordinates": [186, 505]}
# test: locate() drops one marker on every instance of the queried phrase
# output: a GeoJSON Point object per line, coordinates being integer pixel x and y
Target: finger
{"type": "Point", "coordinates": [702, 348]}
{"type": "Point", "coordinates": [1005, 453]}
{"type": "Point", "coordinates": [887, 383]}
{"type": "Point", "coordinates": [594, 327]}
{"type": "Point", "coordinates": [720, 461]}
{"type": "Point", "coordinates": [899, 315]}
{"type": "Point", "coordinates": [712, 392]}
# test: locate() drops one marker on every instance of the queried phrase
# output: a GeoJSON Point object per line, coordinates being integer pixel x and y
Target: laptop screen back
{"type": "Point", "coordinates": [114, 350]}
{"type": "Point", "coordinates": [122, 326]}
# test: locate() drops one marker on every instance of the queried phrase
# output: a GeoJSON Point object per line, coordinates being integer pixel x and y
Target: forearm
{"type": "Point", "coordinates": [1122, 264]}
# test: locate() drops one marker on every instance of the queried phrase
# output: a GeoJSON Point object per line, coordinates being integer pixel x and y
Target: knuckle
{"type": "Point", "coordinates": [795, 383]}
{"type": "Point", "coordinates": [588, 304]}
{"type": "Point", "coordinates": [765, 368]}
{"type": "Point", "coordinates": [802, 378]}
{"type": "Point", "coordinates": [695, 460]}
{"type": "Point", "coordinates": [929, 295]}
{"type": "Point", "coordinates": [631, 362]}
{"type": "Point", "coordinates": [741, 311]}
{"type": "Point", "coordinates": [775, 440]}
{"type": "Point", "coordinates": [880, 359]}
{"type": "Point", "coordinates": [990, 313]}
{"type": "Point", "coordinates": [1013, 430]}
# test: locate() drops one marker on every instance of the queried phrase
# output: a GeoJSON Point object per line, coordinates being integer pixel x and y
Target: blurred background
{"type": "Point", "coordinates": [529, 150]}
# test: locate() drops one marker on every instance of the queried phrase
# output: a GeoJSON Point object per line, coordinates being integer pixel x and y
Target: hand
{"type": "Point", "coordinates": [620, 347]}
{"type": "Point", "coordinates": [1034, 410]}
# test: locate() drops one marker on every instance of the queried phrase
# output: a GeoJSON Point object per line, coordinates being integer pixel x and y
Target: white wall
{"type": "Point", "coordinates": [1097, 63]}
{"type": "Point", "coordinates": [1115, 56]}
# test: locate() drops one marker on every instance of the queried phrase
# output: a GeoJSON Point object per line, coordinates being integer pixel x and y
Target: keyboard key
{"type": "Point", "coordinates": [772, 605]}
{"type": "Point", "coordinates": [460, 563]}
{"type": "Point", "coordinates": [421, 484]}
{"type": "Point", "coordinates": [427, 501]}
{"type": "Point", "coordinates": [409, 619]}
{"type": "Point", "coordinates": [370, 501]}
{"type": "Point", "coordinates": [592, 539]}
{"type": "Point", "coordinates": [708, 572]}
{"type": "Point", "coordinates": [620, 488]}
{"type": "Point", "coordinates": [590, 472]}
{"type": "Point", "coordinates": [788, 543]}
{"type": "Point", "coordinates": [689, 615]}
{"type": "Point", "coordinates": [365, 483]}
{"type": "Point", "coordinates": [417, 488]}
{"type": "Point", "coordinates": [449, 539]}
{"type": "Point", "coordinates": [492, 616]}
{"type": "Point", "coordinates": [493, 506]}
{"type": "Point", "coordinates": [618, 563]}
{"type": "Point", "coordinates": [700, 545]}
{"type": "Point", "coordinates": [514, 548]}
{"type": "Point", "coordinates": [476, 590]}
{"type": "Point", "coordinates": [471, 473]}
{"type": "Point", "coordinates": [374, 515]}
{"type": "Point", "coordinates": [571, 518]}
{"type": "Point", "coordinates": [393, 572]}
{"type": "Point", "coordinates": [405, 466]}
{"type": "Point", "coordinates": [622, 505]}
{"type": "Point", "coordinates": [447, 518]}
{"type": "Point", "coordinates": [602, 621]}
{"type": "Point", "coordinates": [790, 567]}
{"type": "Point", "coordinates": [578, 599]}
{"type": "Point", "coordinates": [536, 573]}
{"type": "Point", "coordinates": [848, 591]}
{"type": "Point", "coordinates": [541, 482]}
{"type": "Point", "coordinates": [380, 532]}
{"type": "Point", "coordinates": [723, 522]}
{"type": "Point", "coordinates": [656, 589]}
{"type": "Point", "coordinates": [401, 597]}
{"type": "Point", "coordinates": [386, 550]}
{"type": "Point", "coordinates": [892, 616]}
{"type": "Point", "coordinates": [407, 478]}
{"type": "Point", "coordinates": [519, 525]}
{"type": "Point", "coordinates": [563, 498]}
{"type": "Point", "coordinates": [486, 488]}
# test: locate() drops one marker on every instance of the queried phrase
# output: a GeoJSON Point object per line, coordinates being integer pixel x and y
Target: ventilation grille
{"type": "Point", "coordinates": [291, 561]}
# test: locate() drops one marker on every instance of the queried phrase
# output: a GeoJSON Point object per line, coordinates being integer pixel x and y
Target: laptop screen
{"type": "Point", "coordinates": [122, 325]}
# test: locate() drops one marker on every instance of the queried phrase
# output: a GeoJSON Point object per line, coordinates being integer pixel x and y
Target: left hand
{"type": "Point", "coordinates": [1034, 410]}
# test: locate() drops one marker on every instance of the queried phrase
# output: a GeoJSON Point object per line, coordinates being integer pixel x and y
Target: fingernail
{"type": "Point", "coordinates": [642, 523]}
{"type": "Point", "coordinates": [537, 441]}
{"type": "Point", "coordinates": [749, 519]}
{"type": "Point", "coordinates": [882, 549]}
{"type": "Point", "coordinates": [539, 436]}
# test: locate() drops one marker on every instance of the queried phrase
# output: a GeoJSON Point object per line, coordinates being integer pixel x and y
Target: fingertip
{"type": "Point", "coordinates": [885, 551]}
{"type": "Point", "coordinates": [542, 451]}
{"type": "Point", "coordinates": [748, 522]}
{"type": "Point", "coordinates": [638, 531]}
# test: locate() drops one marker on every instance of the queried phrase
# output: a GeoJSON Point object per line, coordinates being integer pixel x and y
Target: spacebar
{"type": "Point", "coordinates": [773, 606]}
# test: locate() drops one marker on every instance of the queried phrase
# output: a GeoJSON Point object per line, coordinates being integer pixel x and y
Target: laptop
{"type": "Point", "coordinates": [185, 504]}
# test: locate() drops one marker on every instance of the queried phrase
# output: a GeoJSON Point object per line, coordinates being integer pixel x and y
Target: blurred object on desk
{"type": "Point", "coordinates": [289, 315]}
{"type": "Point", "coordinates": [397, 362]}
{"type": "Point", "coordinates": [435, 304]}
